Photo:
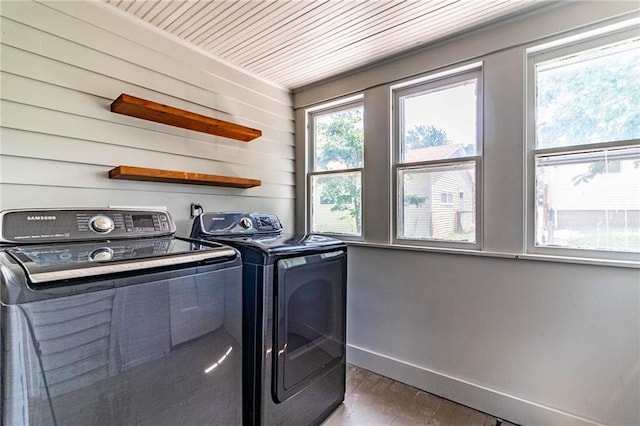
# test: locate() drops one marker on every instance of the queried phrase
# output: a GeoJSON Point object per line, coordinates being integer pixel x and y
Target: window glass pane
{"type": "Point", "coordinates": [439, 123]}
{"type": "Point", "coordinates": [336, 203]}
{"type": "Point", "coordinates": [438, 203]}
{"type": "Point", "coordinates": [339, 140]}
{"type": "Point", "coordinates": [590, 97]}
{"type": "Point", "coordinates": [589, 200]}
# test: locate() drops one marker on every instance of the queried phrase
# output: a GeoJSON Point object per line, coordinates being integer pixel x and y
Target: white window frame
{"type": "Point", "coordinates": [425, 84]}
{"type": "Point", "coordinates": [448, 198]}
{"type": "Point", "coordinates": [311, 113]}
{"type": "Point", "coordinates": [549, 51]}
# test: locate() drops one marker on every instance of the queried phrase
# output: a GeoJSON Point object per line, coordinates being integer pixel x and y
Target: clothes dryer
{"type": "Point", "coordinates": [294, 292]}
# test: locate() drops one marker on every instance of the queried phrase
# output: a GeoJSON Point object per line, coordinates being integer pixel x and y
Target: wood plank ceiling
{"type": "Point", "coordinates": [296, 43]}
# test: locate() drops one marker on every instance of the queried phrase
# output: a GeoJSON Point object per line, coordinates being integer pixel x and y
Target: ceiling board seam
{"type": "Point", "coordinates": [260, 47]}
{"type": "Point", "coordinates": [205, 12]}
{"type": "Point", "coordinates": [256, 33]}
{"type": "Point", "coordinates": [319, 41]}
{"type": "Point", "coordinates": [329, 51]}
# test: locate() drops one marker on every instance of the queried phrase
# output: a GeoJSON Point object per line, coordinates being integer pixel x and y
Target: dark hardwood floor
{"type": "Point", "coordinates": [373, 400]}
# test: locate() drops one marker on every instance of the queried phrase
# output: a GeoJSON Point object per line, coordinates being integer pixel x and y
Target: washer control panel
{"type": "Point", "coordinates": [43, 226]}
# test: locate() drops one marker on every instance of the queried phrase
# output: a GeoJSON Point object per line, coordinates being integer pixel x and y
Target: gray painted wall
{"type": "Point", "coordinates": [63, 63]}
{"type": "Point", "coordinates": [533, 341]}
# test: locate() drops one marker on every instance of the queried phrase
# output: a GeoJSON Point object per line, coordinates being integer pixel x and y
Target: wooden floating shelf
{"type": "Point", "coordinates": [148, 110]}
{"type": "Point", "coordinates": [171, 176]}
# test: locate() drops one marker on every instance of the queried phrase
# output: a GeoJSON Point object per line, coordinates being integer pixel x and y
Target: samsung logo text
{"type": "Point", "coordinates": [41, 218]}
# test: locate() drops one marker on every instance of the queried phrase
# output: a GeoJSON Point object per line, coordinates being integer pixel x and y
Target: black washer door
{"type": "Point", "coordinates": [309, 319]}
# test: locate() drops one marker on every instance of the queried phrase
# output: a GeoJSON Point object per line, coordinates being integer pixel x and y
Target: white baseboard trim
{"type": "Point", "coordinates": [499, 404]}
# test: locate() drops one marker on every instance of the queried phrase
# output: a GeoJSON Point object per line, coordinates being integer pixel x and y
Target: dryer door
{"type": "Point", "coordinates": [309, 327]}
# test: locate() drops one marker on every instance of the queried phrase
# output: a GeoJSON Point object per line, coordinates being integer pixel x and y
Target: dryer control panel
{"type": "Point", "coordinates": [60, 225]}
{"type": "Point", "coordinates": [229, 223]}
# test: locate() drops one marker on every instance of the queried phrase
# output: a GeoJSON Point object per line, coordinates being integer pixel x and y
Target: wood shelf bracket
{"type": "Point", "coordinates": [172, 176]}
{"type": "Point", "coordinates": [148, 110]}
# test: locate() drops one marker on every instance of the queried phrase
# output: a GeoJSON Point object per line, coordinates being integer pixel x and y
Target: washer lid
{"type": "Point", "coordinates": [59, 262]}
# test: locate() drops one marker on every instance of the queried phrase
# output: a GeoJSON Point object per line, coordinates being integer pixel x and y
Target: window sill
{"type": "Point", "coordinates": [534, 257]}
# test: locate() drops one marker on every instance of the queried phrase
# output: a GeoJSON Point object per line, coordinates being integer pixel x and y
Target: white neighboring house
{"type": "Point", "coordinates": [438, 204]}
{"type": "Point", "coordinates": [609, 202]}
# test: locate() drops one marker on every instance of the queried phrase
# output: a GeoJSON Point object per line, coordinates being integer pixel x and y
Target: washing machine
{"type": "Point", "coordinates": [107, 318]}
{"type": "Point", "coordinates": [294, 308]}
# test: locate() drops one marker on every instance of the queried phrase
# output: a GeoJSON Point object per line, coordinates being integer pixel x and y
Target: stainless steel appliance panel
{"type": "Point", "coordinates": [320, 394]}
{"type": "Point", "coordinates": [309, 332]}
{"type": "Point", "coordinates": [160, 349]}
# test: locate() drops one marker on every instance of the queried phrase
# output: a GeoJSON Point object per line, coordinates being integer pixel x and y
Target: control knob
{"type": "Point", "coordinates": [245, 223]}
{"type": "Point", "coordinates": [101, 224]}
{"type": "Point", "coordinates": [101, 254]}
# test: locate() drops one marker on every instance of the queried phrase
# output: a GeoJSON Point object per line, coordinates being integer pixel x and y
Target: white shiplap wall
{"type": "Point", "coordinates": [63, 63]}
